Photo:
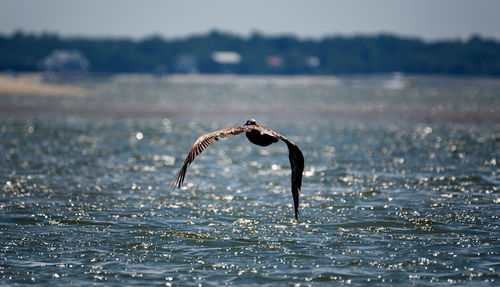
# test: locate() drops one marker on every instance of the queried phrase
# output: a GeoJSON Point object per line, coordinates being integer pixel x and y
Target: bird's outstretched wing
{"type": "Point", "coordinates": [296, 164]}
{"type": "Point", "coordinates": [201, 144]}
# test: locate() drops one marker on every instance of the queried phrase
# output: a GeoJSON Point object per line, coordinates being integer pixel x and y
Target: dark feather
{"type": "Point", "coordinates": [296, 164]}
{"type": "Point", "coordinates": [201, 144]}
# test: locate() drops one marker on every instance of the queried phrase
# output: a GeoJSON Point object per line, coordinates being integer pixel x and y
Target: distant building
{"type": "Point", "coordinates": [65, 61]}
{"type": "Point", "coordinates": [274, 61]}
{"type": "Point", "coordinates": [186, 64]}
{"type": "Point", "coordinates": [226, 57]}
{"type": "Point", "coordinates": [312, 62]}
{"type": "Point", "coordinates": [226, 60]}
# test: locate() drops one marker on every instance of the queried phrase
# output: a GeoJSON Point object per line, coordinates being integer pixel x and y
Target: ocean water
{"type": "Point", "coordinates": [401, 183]}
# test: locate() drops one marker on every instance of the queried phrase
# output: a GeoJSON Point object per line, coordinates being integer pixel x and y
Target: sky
{"type": "Point", "coordinates": [426, 19]}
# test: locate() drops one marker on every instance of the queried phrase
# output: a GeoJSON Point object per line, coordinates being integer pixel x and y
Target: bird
{"type": "Point", "coordinates": [258, 135]}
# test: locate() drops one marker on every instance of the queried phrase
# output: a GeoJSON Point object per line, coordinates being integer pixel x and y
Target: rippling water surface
{"type": "Point", "coordinates": [400, 186]}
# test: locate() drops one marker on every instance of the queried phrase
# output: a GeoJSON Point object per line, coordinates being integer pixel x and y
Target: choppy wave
{"type": "Point", "coordinates": [85, 199]}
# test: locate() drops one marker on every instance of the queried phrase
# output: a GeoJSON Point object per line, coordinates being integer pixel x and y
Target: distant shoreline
{"type": "Point", "coordinates": [32, 84]}
{"type": "Point", "coordinates": [217, 52]}
{"type": "Point", "coordinates": [121, 95]}
{"type": "Point", "coordinates": [231, 78]}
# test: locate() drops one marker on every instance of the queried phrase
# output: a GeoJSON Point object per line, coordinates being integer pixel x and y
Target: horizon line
{"type": "Point", "coordinates": [248, 36]}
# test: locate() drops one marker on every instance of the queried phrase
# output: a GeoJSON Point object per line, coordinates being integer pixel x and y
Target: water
{"type": "Point", "coordinates": [401, 186]}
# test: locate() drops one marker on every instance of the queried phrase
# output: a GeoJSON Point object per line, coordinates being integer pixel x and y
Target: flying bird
{"type": "Point", "coordinates": [258, 135]}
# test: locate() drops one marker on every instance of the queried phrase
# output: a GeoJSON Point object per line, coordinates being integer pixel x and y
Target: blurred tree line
{"type": "Point", "coordinates": [259, 54]}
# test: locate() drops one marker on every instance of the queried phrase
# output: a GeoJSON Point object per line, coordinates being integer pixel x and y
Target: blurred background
{"type": "Point", "coordinates": [323, 37]}
{"type": "Point", "coordinates": [93, 49]}
{"type": "Point", "coordinates": [393, 103]}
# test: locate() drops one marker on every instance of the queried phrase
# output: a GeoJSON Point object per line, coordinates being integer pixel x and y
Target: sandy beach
{"type": "Point", "coordinates": [32, 84]}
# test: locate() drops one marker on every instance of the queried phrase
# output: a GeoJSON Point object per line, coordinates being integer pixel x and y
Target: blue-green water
{"type": "Point", "coordinates": [401, 186]}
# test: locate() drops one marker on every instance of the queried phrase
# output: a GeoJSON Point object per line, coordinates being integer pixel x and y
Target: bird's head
{"type": "Point", "coordinates": [251, 122]}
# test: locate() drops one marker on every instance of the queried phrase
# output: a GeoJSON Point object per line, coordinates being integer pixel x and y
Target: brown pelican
{"type": "Point", "coordinates": [258, 135]}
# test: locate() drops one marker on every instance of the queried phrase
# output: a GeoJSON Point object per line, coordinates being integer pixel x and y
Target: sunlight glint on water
{"type": "Point", "coordinates": [399, 187]}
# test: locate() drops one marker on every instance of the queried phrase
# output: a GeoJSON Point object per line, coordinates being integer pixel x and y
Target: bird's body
{"type": "Point", "coordinates": [257, 138]}
{"type": "Point", "coordinates": [258, 135]}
